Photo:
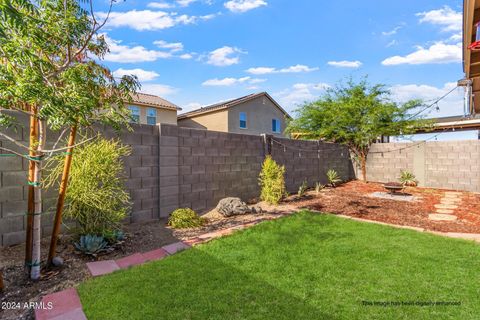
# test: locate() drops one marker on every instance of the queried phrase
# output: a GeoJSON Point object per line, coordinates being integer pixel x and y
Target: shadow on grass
{"type": "Point", "coordinates": [190, 285]}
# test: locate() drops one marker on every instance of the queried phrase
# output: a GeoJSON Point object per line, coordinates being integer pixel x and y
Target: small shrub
{"type": "Point", "coordinates": [185, 218]}
{"type": "Point", "coordinates": [319, 187]}
{"type": "Point", "coordinates": [333, 178]}
{"type": "Point", "coordinates": [91, 244]}
{"type": "Point", "coordinates": [272, 181]}
{"type": "Point", "coordinates": [408, 179]}
{"type": "Point", "coordinates": [95, 197]}
{"type": "Point", "coordinates": [303, 188]}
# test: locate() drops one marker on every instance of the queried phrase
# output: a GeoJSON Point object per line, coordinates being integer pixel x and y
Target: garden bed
{"type": "Point", "coordinates": [354, 199]}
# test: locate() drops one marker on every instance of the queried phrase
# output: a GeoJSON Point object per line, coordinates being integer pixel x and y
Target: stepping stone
{"type": "Point", "coordinates": [175, 247]}
{"type": "Point", "coordinates": [446, 206]}
{"type": "Point", "coordinates": [441, 217]}
{"type": "Point", "coordinates": [133, 260]}
{"type": "Point", "coordinates": [155, 255]}
{"type": "Point", "coordinates": [99, 268]}
{"type": "Point", "coordinates": [450, 201]}
{"type": "Point", "coordinates": [445, 211]}
{"type": "Point", "coordinates": [65, 305]}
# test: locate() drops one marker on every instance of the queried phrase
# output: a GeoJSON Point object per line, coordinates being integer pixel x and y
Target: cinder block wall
{"type": "Point", "coordinates": [446, 165]}
{"type": "Point", "coordinates": [172, 167]}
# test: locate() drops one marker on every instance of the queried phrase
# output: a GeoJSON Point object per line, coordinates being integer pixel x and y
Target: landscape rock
{"type": "Point", "coordinates": [229, 207]}
{"type": "Point", "coordinates": [57, 261]}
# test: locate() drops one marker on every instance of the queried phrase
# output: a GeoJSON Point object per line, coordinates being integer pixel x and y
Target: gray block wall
{"type": "Point", "coordinates": [445, 165]}
{"type": "Point", "coordinates": [172, 167]}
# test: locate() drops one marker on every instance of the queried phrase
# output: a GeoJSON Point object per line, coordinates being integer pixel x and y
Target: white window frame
{"type": "Point", "coordinates": [135, 113]}
{"type": "Point", "coordinates": [240, 120]}
{"type": "Point", "coordinates": [278, 126]}
{"type": "Point", "coordinates": [152, 116]}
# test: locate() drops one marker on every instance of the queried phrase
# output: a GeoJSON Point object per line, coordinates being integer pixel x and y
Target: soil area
{"type": "Point", "coordinates": [352, 199]}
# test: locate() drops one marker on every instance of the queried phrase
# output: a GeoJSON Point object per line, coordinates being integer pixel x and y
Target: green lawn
{"type": "Point", "coordinates": [307, 266]}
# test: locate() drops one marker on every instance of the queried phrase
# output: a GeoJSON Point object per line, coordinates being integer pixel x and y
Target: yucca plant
{"type": "Point", "coordinates": [319, 187]}
{"type": "Point", "coordinates": [303, 189]}
{"type": "Point", "coordinates": [272, 181]}
{"type": "Point", "coordinates": [408, 179]}
{"type": "Point", "coordinates": [333, 178]}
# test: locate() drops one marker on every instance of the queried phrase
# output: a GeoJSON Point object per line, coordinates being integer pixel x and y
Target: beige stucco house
{"type": "Point", "coordinates": [253, 114]}
{"type": "Point", "coordinates": [150, 109]}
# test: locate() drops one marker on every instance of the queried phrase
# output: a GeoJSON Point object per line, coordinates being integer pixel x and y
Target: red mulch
{"type": "Point", "coordinates": [353, 199]}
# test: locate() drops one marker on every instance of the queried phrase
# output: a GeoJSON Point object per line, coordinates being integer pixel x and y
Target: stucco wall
{"type": "Point", "coordinates": [214, 121]}
{"type": "Point", "coordinates": [260, 112]}
{"type": "Point", "coordinates": [163, 115]}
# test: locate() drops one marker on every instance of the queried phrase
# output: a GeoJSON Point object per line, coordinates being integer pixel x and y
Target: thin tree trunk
{"type": "Point", "coordinates": [61, 195]}
{"type": "Point", "coordinates": [31, 172]}
{"type": "Point", "coordinates": [363, 164]}
{"type": "Point", "coordinates": [1, 281]}
{"type": "Point", "coordinates": [37, 219]}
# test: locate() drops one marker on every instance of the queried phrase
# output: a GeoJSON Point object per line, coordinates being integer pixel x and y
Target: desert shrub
{"type": "Point", "coordinates": [96, 198]}
{"type": "Point", "coordinates": [333, 177]}
{"type": "Point", "coordinates": [303, 188]}
{"type": "Point", "coordinates": [91, 244]}
{"type": "Point", "coordinates": [185, 218]}
{"type": "Point", "coordinates": [407, 178]}
{"type": "Point", "coordinates": [319, 187]}
{"type": "Point", "coordinates": [272, 181]}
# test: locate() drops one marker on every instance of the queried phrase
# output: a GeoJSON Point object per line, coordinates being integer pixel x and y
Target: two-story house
{"type": "Point", "coordinates": [150, 109]}
{"type": "Point", "coordinates": [253, 114]}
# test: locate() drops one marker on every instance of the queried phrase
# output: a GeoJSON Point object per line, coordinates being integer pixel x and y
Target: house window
{"type": "Point", "coordinates": [276, 126]}
{"type": "Point", "coordinates": [151, 116]}
{"type": "Point", "coordinates": [243, 120]}
{"type": "Point", "coordinates": [135, 114]}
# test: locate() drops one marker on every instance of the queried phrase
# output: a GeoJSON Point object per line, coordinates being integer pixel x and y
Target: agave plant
{"type": "Point", "coordinates": [91, 244]}
{"type": "Point", "coordinates": [333, 178]}
{"type": "Point", "coordinates": [408, 179]}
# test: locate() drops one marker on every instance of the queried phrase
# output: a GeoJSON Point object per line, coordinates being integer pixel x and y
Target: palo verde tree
{"type": "Point", "coordinates": [356, 114]}
{"type": "Point", "coordinates": [49, 53]}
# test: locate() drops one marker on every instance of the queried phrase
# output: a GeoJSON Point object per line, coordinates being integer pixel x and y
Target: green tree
{"type": "Point", "coordinates": [356, 114]}
{"type": "Point", "coordinates": [49, 69]}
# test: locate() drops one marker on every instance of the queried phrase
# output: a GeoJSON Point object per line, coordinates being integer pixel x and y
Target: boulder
{"type": "Point", "coordinates": [232, 207]}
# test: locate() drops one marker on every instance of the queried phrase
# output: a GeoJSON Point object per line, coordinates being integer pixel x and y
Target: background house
{"type": "Point", "coordinates": [150, 109]}
{"type": "Point", "coordinates": [253, 114]}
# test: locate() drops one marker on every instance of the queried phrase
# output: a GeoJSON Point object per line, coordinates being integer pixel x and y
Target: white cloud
{"type": "Point", "coordinates": [439, 52]}
{"type": "Point", "coordinates": [451, 105]}
{"type": "Point", "coordinates": [172, 46]}
{"type": "Point", "coordinates": [161, 90]}
{"type": "Point", "coordinates": [345, 64]}
{"type": "Point", "coordinates": [392, 32]}
{"type": "Point", "coordinates": [391, 43]}
{"type": "Point", "coordinates": [151, 20]}
{"type": "Point", "coordinates": [300, 93]}
{"type": "Point", "coordinates": [225, 56]}
{"type": "Point", "coordinates": [293, 69]}
{"type": "Point", "coordinates": [228, 82]}
{"type": "Point", "coordinates": [126, 54]}
{"type": "Point", "coordinates": [160, 5]}
{"type": "Point", "coordinates": [186, 56]}
{"type": "Point", "coordinates": [142, 75]}
{"type": "Point", "coordinates": [185, 3]}
{"type": "Point", "coordinates": [240, 6]}
{"type": "Point", "coordinates": [449, 19]}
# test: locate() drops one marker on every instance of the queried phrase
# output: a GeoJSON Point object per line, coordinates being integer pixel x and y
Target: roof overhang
{"type": "Point", "coordinates": [471, 59]}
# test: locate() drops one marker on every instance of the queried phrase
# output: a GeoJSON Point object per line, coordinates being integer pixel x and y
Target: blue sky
{"type": "Point", "coordinates": [198, 52]}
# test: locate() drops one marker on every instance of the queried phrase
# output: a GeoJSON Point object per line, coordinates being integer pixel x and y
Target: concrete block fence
{"type": "Point", "coordinates": [172, 167]}
{"type": "Point", "coordinates": [451, 165]}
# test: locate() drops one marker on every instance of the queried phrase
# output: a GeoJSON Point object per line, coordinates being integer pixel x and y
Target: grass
{"type": "Point", "coordinates": [307, 266]}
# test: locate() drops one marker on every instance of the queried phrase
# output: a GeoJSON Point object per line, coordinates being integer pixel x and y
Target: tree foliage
{"type": "Point", "coordinates": [356, 114]}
